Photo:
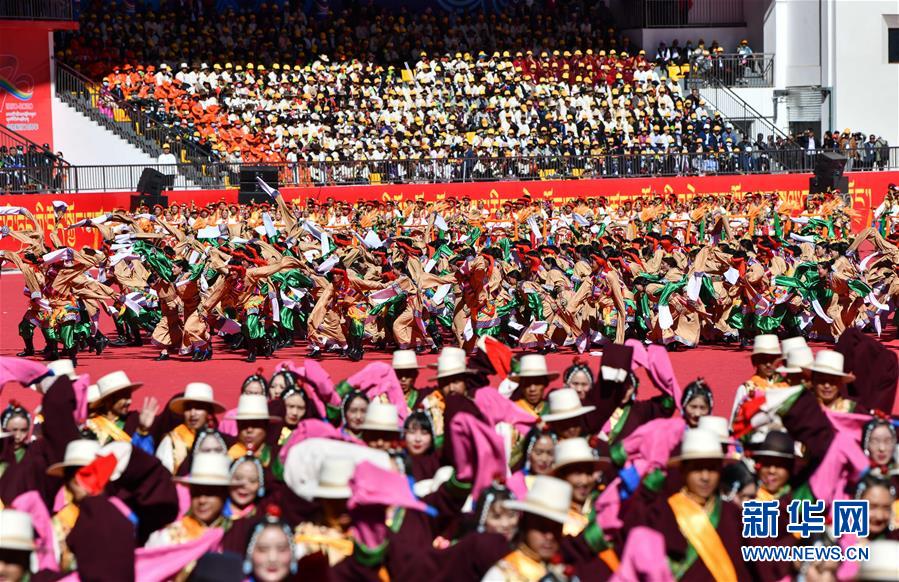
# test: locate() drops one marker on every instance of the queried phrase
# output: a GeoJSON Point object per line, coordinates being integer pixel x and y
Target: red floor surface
{"type": "Point", "coordinates": [723, 367]}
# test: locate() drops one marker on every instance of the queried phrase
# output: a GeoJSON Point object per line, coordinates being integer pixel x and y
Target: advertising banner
{"type": "Point", "coordinates": [25, 89]}
{"type": "Point", "coordinates": [866, 191]}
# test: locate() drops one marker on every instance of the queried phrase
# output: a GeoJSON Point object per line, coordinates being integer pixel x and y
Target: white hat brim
{"type": "Point", "coordinates": [132, 386]}
{"type": "Point", "coordinates": [786, 370]}
{"type": "Point", "coordinates": [254, 416]}
{"type": "Point", "coordinates": [177, 405]}
{"type": "Point", "coordinates": [568, 414]}
{"type": "Point", "coordinates": [828, 371]}
{"type": "Point", "coordinates": [212, 482]}
{"type": "Point", "coordinates": [767, 352]}
{"type": "Point", "coordinates": [598, 463]}
{"type": "Point", "coordinates": [527, 507]}
{"type": "Point", "coordinates": [698, 456]}
{"type": "Point", "coordinates": [379, 428]}
{"type": "Point", "coordinates": [57, 469]}
{"type": "Point", "coordinates": [548, 375]}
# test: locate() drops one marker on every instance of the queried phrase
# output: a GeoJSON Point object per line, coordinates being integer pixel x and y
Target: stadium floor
{"type": "Point", "coordinates": [723, 367]}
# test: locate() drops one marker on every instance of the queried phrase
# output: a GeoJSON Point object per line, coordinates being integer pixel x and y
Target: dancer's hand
{"type": "Point", "coordinates": [148, 413]}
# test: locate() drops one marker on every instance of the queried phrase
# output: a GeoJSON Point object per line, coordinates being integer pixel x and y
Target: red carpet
{"type": "Point", "coordinates": [723, 367]}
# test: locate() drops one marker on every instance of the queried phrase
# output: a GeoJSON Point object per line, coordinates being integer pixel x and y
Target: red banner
{"type": "Point", "coordinates": [866, 190]}
{"type": "Point", "coordinates": [25, 89]}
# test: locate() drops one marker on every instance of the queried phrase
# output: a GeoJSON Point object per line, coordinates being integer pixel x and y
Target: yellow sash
{"type": "Point", "coordinates": [529, 568]}
{"type": "Point", "coordinates": [182, 441]}
{"type": "Point", "coordinates": [695, 525]}
{"type": "Point", "coordinates": [106, 429]}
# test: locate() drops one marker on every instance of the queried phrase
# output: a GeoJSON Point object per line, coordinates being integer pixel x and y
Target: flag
{"type": "Point", "coordinates": [266, 188]}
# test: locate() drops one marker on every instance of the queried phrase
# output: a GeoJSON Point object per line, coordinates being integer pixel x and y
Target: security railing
{"type": "Point", "coordinates": [746, 160]}
{"type": "Point", "coordinates": [733, 70]}
{"type": "Point", "coordinates": [36, 10]}
{"type": "Point", "coordinates": [34, 164]}
{"type": "Point", "coordinates": [678, 13]}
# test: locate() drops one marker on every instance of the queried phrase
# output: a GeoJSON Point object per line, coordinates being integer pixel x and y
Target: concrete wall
{"type": "Point", "coordinates": [728, 37]}
{"type": "Point", "coordinates": [840, 45]}
{"type": "Point", "coordinates": [866, 86]}
{"type": "Point", "coordinates": [84, 142]}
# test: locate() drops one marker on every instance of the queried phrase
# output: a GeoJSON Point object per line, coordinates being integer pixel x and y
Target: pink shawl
{"type": "Point", "coordinates": [479, 452]}
{"type": "Point", "coordinates": [379, 378]}
{"type": "Point", "coordinates": [497, 408]}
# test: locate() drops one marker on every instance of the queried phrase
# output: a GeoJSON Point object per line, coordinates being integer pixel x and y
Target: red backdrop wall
{"type": "Point", "coordinates": [866, 189]}
{"type": "Point", "coordinates": [25, 89]}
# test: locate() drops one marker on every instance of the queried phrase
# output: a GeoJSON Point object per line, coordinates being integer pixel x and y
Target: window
{"type": "Point", "coordinates": [893, 51]}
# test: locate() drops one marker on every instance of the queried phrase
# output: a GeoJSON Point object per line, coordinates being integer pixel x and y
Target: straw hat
{"type": "Point", "coordinates": [405, 360]}
{"type": "Point", "coordinates": [334, 479]}
{"type": "Point", "coordinates": [699, 444]}
{"type": "Point", "coordinates": [252, 407]}
{"type": "Point", "coordinates": [882, 563]}
{"type": "Point", "coordinates": [16, 531]}
{"type": "Point", "coordinates": [210, 469]}
{"type": "Point", "coordinates": [451, 362]}
{"type": "Point", "coordinates": [797, 359]}
{"type": "Point", "coordinates": [792, 343]}
{"type": "Point", "coordinates": [766, 344]}
{"type": "Point", "coordinates": [829, 362]}
{"type": "Point", "coordinates": [79, 453]}
{"type": "Point", "coordinates": [533, 366]}
{"type": "Point", "coordinates": [717, 425]}
{"type": "Point", "coordinates": [197, 392]}
{"type": "Point", "coordinates": [381, 416]}
{"type": "Point", "coordinates": [565, 403]}
{"type": "Point", "coordinates": [574, 452]}
{"type": "Point", "coordinates": [548, 497]}
{"type": "Point", "coordinates": [115, 382]}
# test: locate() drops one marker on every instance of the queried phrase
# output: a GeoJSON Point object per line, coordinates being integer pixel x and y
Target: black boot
{"type": "Point", "coordinates": [162, 356]}
{"type": "Point", "coordinates": [354, 349]}
{"type": "Point", "coordinates": [52, 352]}
{"type": "Point", "coordinates": [72, 354]}
{"type": "Point", "coordinates": [100, 343]}
{"type": "Point", "coordinates": [136, 339]}
{"type": "Point", "coordinates": [29, 347]}
{"type": "Point", "coordinates": [252, 346]}
{"type": "Point", "coordinates": [122, 337]}
{"type": "Point", "coordinates": [315, 352]}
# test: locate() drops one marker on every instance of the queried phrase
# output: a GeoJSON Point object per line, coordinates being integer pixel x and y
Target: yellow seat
{"type": "Point", "coordinates": [374, 178]}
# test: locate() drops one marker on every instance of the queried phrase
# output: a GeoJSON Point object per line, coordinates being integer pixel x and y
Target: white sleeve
{"type": "Point", "coordinates": [166, 453]}
{"type": "Point", "coordinates": [739, 397]}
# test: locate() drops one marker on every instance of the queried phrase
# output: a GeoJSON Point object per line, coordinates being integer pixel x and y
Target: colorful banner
{"type": "Point", "coordinates": [25, 89]}
{"type": "Point", "coordinates": [866, 190]}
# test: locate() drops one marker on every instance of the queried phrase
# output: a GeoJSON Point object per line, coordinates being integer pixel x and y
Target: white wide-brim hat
{"type": "Point", "coordinates": [829, 362]}
{"type": "Point", "coordinates": [792, 343]}
{"type": "Point", "coordinates": [797, 359]}
{"type": "Point", "coordinates": [450, 362]}
{"type": "Point", "coordinates": [533, 366]}
{"type": "Point", "coordinates": [334, 479]}
{"type": "Point", "coordinates": [565, 403]}
{"type": "Point", "coordinates": [381, 416]}
{"type": "Point", "coordinates": [252, 407]}
{"type": "Point", "coordinates": [548, 497]}
{"type": "Point", "coordinates": [699, 444]}
{"type": "Point", "coordinates": [882, 563]}
{"type": "Point", "coordinates": [405, 360]}
{"type": "Point", "coordinates": [79, 453]}
{"type": "Point", "coordinates": [577, 451]}
{"type": "Point", "coordinates": [766, 344]}
{"type": "Point", "coordinates": [717, 425]}
{"type": "Point", "coordinates": [209, 469]}
{"type": "Point", "coordinates": [196, 392]}
{"type": "Point", "coordinates": [115, 382]}
{"type": "Point", "coordinates": [16, 531]}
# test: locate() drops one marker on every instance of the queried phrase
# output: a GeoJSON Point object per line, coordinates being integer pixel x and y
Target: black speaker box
{"type": "Point", "coordinates": [248, 175]}
{"type": "Point", "coordinates": [830, 164]}
{"type": "Point", "coordinates": [244, 198]}
{"type": "Point", "coordinates": [150, 201]}
{"type": "Point", "coordinates": [151, 182]}
{"type": "Point", "coordinates": [818, 184]}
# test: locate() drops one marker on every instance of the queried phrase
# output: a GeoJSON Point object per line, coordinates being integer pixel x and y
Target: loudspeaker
{"type": "Point", "coordinates": [151, 201]}
{"type": "Point", "coordinates": [821, 184]}
{"type": "Point", "coordinates": [151, 182]}
{"type": "Point", "coordinates": [829, 169]}
{"type": "Point", "coordinates": [244, 198]}
{"type": "Point", "coordinates": [248, 175]}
